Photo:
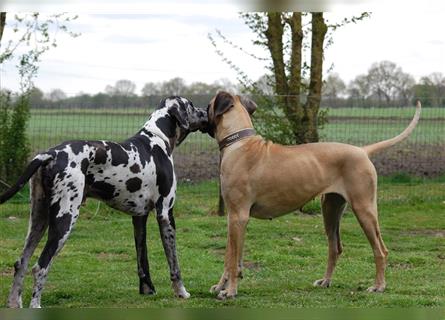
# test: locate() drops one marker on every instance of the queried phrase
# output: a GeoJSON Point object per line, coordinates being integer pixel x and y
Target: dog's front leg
{"type": "Point", "coordinates": [228, 285]}
{"type": "Point", "coordinates": [140, 240]}
{"type": "Point", "coordinates": [167, 230]}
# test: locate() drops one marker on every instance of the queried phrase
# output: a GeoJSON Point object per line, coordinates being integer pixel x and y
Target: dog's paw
{"type": "Point", "coordinates": [323, 283]}
{"type": "Point", "coordinates": [183, 294]}
{"type": "Point", "coordinates": [147, 290]}
{"type": "Point", "coordinates": [15, 304]}
{"type": "Point", "coordinates": [215, 289]}
{"type": "Point", "coordinates": [34, 305]}
{"type": "Point", "coordinates": [376, 289]}
{"type": "Point", "coordinates": [225, 294]}
{"type": "Point", "coordinates": [180, 291]}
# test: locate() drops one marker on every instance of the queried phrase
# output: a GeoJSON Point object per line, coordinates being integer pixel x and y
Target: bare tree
{"type": "Point", "coordinates": [385, 82]}
{"type": "Point", "coordinates": [56, 95]}
{"type": "Point", "coordinates": [334, 86]}
{"type": "Point", "coordinates": [151, 89]}
{"type": "Point", "coordinates": [123, 88]}
{"type": "Point", "coordinates": [175, 86]}
{"type": "Point", "coordinates": [359, 90]}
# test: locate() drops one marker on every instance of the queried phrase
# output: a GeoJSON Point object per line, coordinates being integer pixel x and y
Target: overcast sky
{"type": "Point", "coordinates": [163, 44]}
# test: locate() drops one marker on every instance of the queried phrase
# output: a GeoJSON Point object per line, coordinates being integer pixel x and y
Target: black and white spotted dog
{"type": "Point", "coordinates": [134, 176]}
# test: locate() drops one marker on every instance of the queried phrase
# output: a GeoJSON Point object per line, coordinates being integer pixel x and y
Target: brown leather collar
{"type": "Point", "coordinates": [234, 137]}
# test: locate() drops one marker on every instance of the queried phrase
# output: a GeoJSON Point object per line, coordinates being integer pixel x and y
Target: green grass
{"type": "Point", "coordinates": [283, 257]}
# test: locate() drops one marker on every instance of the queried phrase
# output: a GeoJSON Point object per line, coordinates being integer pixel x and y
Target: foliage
{"type": "Point", "coordinates": [295, 79]}
{"type": "Point", "coordinates": [431, 90]}
{"type": "Point", "coordinates": [14, 144]}
{"type": "Point", "coordinates": [34, 37]}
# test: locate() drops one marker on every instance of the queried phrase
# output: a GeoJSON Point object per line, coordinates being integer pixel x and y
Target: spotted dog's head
{"type": "Point", "coordinates": [186, 117]}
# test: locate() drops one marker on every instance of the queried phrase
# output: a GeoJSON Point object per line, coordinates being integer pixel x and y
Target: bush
{"type": "Point", "coordinates": [271, 123]}
{"type": "Point", "coordinates": [14, 144]}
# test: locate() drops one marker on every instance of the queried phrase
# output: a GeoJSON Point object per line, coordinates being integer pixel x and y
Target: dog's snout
{"type": "Point", "coordinates": [202, 115]}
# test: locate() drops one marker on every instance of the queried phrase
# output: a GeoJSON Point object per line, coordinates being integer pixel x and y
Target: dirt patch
{"type": "Point", "coordinates": [107, 256]}
{"type": "Point", "coordinates": [7, 272]}
{"type": "Point", "coordinates": [252, 265]}
{"type": "Point", "coordinates": [425, 232]}
{"type": "Point", "coordinates": [419, 160]}
{"type": "Point", "coordinates": [413, 159]}
{"type": "Point", "coordinates": [197, 166]}
{"type": "Point", "coordinates": [219, 252]}
{"type": "Point", "coordinates": [401, 265]}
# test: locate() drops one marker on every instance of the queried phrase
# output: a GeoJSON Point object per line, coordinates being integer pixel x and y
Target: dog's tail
{"type": "Point", "coordinates": [379, 146]}
{"type": "Point", "coordinates": [33, 166]}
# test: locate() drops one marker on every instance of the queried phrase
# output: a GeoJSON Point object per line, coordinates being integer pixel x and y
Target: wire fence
{"type": "Point", "coordinates": [422, 154]}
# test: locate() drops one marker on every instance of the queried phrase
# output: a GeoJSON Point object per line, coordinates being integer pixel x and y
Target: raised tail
{"type": "Point", "coordinates": [382, 145]}
{"type": "Point", "coordinates": [33, 166]}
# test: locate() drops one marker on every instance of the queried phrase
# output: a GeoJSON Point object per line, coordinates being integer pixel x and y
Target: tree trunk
{"type": "Point", "coordinates": [309, 132]}
{"type": "Point", "coordinates": [303, 118]}
{"type": "Point", "coordinates": [274, 35]}
{"type": "Point", "coordinates": [2, 24]}
{"type": "Point", "coordinates": [293, 108]}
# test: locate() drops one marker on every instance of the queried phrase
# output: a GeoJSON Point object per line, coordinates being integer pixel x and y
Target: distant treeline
{"type": "Point", "coordinates": [105, 101]}
{"type": "Point", "coordinates": [384, 85]}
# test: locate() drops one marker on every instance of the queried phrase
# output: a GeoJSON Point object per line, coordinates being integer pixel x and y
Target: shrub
{"type": "Point", "coordinates": [14, 144]}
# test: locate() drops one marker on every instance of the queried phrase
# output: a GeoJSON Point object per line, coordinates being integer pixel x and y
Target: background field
{"type": "Point", "coordinates": [48, 127]}
{"type": "Point", "coordinates": [283, 256]}
{"type": "Point", "coordinates": [423, 154]}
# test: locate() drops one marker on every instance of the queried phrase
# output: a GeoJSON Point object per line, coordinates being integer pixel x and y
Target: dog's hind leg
{"type": "Point", "coordinates": [66, 199]}
{"type": "Point", "coordinates": [140, 239]}
{"type": "Point", "coordinates": [167, 229]}
{"type": "Point", "coordinates": [333, 206]}
{"type": "Point", "coordinates": [38, 223]}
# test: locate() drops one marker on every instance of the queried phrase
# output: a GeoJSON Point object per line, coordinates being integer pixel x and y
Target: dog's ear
{"type": "Point", "coordinates": [180, 116]}
{"type": "Point", "coordinates": [248, 104]}
{"type": "Point", "coordinates": [223, 102]}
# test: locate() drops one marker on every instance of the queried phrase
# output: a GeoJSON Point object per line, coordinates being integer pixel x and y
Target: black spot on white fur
{"type": "Point", "coordinates": [135, 168]}
{"type": "Point", "coordinates": [103, 190]}
{"type": "Point", "coordinates": [164, 171]}
{"type": "Point", "coordinates": [133, 184]}
{"type": "Point", "coordinates": [118, 155]}
{"type": "Point", "coordinates": [101, 156]}
{"type": "Point", "coordinates": [167, 126]}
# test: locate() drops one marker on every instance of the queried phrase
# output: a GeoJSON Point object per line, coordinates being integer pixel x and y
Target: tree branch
{"type": "Point", "coordinates": [2, 24]}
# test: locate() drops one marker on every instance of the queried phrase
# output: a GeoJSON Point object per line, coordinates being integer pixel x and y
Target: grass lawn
{"type": "Point", "coordinates": [97, 267]}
